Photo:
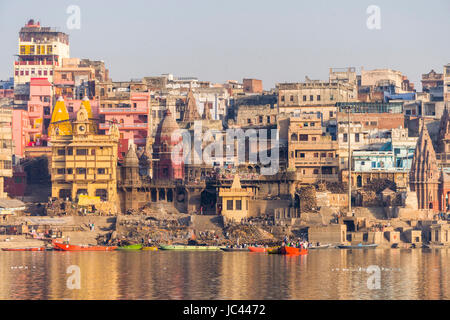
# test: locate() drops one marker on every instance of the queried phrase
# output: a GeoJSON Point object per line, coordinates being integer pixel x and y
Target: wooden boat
{"type": "Point", "coordinates": [292, 250]}
{"type": "Point", "coordinates": [322, 246]}
{"type": "Point", "coordinates": [235, 249]}
{"type": "Point", "coordinates": [131, 247]}
{"type": "Point", "coordinates": [358, 246]}
{"type": "Point", "coordinates": [190, 247]}
{"type": "Point", "coordinates": [25, 249]}
{"type": "Point", "coordinates": [72, 247]}
{"type": "Point", "coordinates": [274, 250]}
{"type": "Point", "coordinates": [257, 249]}
{"type": "Point", "coordinates": [150, 248]}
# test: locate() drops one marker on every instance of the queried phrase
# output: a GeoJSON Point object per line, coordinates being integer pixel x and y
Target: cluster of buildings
{"type": "Point", "coordinates": [111, 144]}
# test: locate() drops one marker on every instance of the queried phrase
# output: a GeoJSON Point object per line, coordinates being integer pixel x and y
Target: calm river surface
{"type": "Point", "coordinates": [322, 274]}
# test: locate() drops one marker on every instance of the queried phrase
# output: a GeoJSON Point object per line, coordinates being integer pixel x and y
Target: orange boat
{"type": "Point", "coordinates": [24, 249]}
{"type": "Point", "coordinates": [257, 249]}
{"type": "Point", "coordinates": [72, 247]}
{"type": "Point", "coordinates": [292, 250]}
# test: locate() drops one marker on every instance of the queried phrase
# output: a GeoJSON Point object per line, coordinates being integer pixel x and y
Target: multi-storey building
{"type": "Point", "coordinates": [41, 50]}
{"type": "Point", "coordinates": [447, 84]}
{"type": "Point", "coordinates": [84, 163]}
{"type": "Point", "coordinates": [132, 115]}
{"type": "Point", "coordinates": [311, 154]}
{"type": "Point", "coordinates": [74, 80]}
{"type": "Point", "coordinates": [6, 147]}
{"type": "Point", "coordinates": [314, 96]}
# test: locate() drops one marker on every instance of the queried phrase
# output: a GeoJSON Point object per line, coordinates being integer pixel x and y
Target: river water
{"type": "Point", "coordinates": [322, 274]}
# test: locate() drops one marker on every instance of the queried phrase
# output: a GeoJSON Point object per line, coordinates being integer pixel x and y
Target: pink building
{"type": "Point", "coordinates": [20, 127]}
{"type": "Point", "coordinates": [132, 118]}
{"type": "Point", "coordinates": [39, 110]}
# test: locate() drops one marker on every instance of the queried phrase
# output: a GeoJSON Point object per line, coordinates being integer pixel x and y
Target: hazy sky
{"type": "Point", "coordinates": [276, 41]}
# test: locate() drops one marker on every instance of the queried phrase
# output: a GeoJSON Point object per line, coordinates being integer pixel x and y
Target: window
{"type": "Point", "coordinates": [291, 98]}
{"type": "Point", "coordinates": [101, 170]}
{"type": "Point", "coordinates": [249, 120]}
{"type": "Point", "coordinates": [331, 97]}
{"type": "Point", "coordinates": [8, 164]}
{"type": "Point", "coordinates": [356, 137]}
{"type": "Point", "coordinates": [61, 152]}
{"type": "Point", "coordinates": [61, 171]}
{"type": "Point", "coordinates": [69, 171]}
{"type": "Point", "coordinates": [374, 164]}
{"type": "Point", "coordinates": [70, 151]}
{"type": "Point", "coordinates": [302, 155]}
{"type": "Point", "coordinates": [313, 138]}
{"type": "Point", "coordinates": [268, 119]}
{"type": "Point", "coordinates": [318, 97]}
{"type": "Point", "coordinates": [313, 124]}
{"type": "Point", "coordinates": [303, 137]}
{"type": "Point", "coordinates": [304, 98]}
{"type": "Point", "coordinates": [93, 152]}
{"type": "Point", "coordinates": [311, 98]}
{"type": "Point", "coordinates": [82, 152]}
{"type": "Point", "coordinates": [345, 137]}
{"type": "Point", "coordinates": [260, 119]}
{"type": "Point", "coordinates": [282, 98]}
{"type": "Point", "coordinates": [229, 204]}
{"type": "Point", "coordinates": [81, 170]}
{"type": "Point", "coordinates": [238, 204]}
{"type": "Point", "coordinates": [316, 154]}
{"type": "Point", "coordinates": [323, 154]}
{"type": "Point", "coordinates": [70, 109]}
{"type": "Point", "coordinates": [316, 171]}
{"type": "Point", "coordinates": [330, 155]}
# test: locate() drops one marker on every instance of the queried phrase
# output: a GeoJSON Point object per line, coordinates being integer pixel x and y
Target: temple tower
{"type": "Point", "coordinates": [168, 165]}
{"type": "Point", "coordinates": [424, 174]}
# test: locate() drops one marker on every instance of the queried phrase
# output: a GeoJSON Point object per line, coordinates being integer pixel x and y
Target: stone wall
{"type": "Point", "coordinates": [336, 233]}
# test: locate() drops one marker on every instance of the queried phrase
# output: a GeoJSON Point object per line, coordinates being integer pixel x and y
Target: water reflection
{"type": "Point", "coordinates": [322, 274]}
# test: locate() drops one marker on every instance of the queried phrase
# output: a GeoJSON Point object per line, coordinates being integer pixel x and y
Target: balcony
{"type": "Point", "coordinates": [122, 111]}
{"type": "Point", "coordinates": [105, 126]}
{"type": "Point", "coordinates": [332, 162]}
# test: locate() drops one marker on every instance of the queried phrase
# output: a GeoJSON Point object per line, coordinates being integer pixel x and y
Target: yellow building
{"type": "Point", "coordinates": [83, 163]}
{"type": "Point", "coordinates": [235, 201]}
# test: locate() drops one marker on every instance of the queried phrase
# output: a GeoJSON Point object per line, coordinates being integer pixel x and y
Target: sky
{"type": "Point", "coordinates": [213, 40]}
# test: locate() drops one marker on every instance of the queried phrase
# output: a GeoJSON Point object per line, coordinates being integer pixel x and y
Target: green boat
{"type": "Point", "coordinates": [131, 247]}
{"type": "Point", "coordinates": [196, 248]}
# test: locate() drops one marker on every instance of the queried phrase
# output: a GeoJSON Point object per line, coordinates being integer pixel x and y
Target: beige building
{"type": "Point", "coordinates": [447, 84]}
{"type": "Point", "coordinates": [315, 96]}
{"type": "Point", "coordinates": [84, 163]}
{"type": "Point", "coordinates": [383, 77]}
{"type": "Point", "coordinates": [311, 154]}
{"type": "Point", "coordinates": [6, 147]}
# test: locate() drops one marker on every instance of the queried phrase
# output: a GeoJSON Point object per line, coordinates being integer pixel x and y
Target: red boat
{"type": "Point", "coordinates": [292, 250]}
{"type": "Point", "coordinates": [72, 247]}
{"type": "Point", "coordinates": [24, 249]}
{"type": "Point", "coordinates": [257, 249]}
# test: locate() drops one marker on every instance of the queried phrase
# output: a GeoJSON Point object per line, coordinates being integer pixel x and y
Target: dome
{"type": "Point", "coordinates": [131, 159]}
{"type": "Point", "coordinates": [168, 125]}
